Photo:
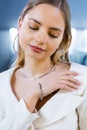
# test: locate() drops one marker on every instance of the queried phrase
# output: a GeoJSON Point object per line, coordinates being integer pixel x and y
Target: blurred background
{"type": "Point", "coordinates": [9, 12]}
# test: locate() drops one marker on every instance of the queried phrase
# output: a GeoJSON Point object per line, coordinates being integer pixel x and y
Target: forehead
{"type": "Point", "coordinates": [47, 14]}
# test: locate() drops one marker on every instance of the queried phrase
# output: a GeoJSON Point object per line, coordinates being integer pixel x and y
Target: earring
{"type": "Point", "coordinates": [62, 57]}
{"type": "Point", "coordinates": [15, 44]}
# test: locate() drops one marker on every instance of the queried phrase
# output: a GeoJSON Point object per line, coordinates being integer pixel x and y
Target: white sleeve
{"type": "Point", "coordinates": [82, 113]}
{"type": "Point", "coordinates": [18, 119]}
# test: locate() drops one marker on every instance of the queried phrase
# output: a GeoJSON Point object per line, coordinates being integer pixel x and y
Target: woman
{"type": "Point", "coordinates": [42, 92]}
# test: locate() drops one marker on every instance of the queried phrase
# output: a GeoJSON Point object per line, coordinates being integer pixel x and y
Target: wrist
{"type": "Point", "coordinates": [31, 100]}
{"type": "Point", "coordinates": [41, 91]}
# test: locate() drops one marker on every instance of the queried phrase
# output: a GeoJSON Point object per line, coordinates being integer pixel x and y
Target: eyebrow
{"type": "Point", "coordinates": [35, 20]}
{"type": "Point", "coordinates": [52, 28]}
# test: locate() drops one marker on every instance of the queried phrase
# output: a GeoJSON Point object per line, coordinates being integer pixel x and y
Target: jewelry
{"type": "Point", "coordinates": [41, 91]}
{"type": "Point", "coordinates": [15, 44]}
{"type": "Point", "coordinates": [36, 77]}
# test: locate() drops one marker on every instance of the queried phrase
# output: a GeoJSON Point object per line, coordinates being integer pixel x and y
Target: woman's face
{"type": "Point", "coordinates": [41, 31]}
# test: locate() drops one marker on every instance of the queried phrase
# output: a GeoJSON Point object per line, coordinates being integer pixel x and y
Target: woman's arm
{"type": "Point", "coordinates": [64, 80]}
{"type": "Point", "coordinates": [19, 118]}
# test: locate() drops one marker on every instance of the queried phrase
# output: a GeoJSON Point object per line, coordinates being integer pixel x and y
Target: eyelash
{"type": "Point", "coordinates": [33, 28]}
{"type": "Point", "coordinates": [53, 36]}
{"type": "Point", "coordinates": [38, 29]}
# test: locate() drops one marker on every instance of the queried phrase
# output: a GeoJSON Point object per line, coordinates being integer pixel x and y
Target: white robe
{"type": "Point", "coordinates": [64, 111]}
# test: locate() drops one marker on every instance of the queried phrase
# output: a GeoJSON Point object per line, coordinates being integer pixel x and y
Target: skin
{"type": "Point", "coordinates": [40, 34]}
{"type": "Point", "coordinates": [48, 31]}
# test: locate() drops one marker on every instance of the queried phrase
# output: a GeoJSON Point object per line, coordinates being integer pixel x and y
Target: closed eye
{"type": "Point", "coordinates": [33, 28]}
{"type": "Point", "coordinates": [53, 36]}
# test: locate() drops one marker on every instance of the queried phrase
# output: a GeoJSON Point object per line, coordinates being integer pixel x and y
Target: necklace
{"type": "Point", "coordinates": [36, 77]}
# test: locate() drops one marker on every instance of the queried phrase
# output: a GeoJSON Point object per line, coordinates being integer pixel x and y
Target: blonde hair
{"type": "Point", "coordinates": [64, 45]}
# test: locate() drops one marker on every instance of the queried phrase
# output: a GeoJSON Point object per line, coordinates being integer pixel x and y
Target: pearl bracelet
{"type": "Point", "coordinates": [41, 91]}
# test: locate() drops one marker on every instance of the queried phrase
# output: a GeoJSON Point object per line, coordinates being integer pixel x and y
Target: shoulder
{"type": "Point", "coordinates": [6, 74]}
{"type": "Point", "coordinates": [82, 77]}
{"type": "Point", "coordinates": [5, 80]}
{"type": "Point", "coordinates": [72, 67]}
{"type": "Point", "coordinates": [82, 72]}
{"type": "Point", "coordinates": [78, 68]}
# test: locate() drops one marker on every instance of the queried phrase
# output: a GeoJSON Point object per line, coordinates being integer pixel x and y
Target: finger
{"type": "Point", "coordinates": [70, 84]}
{"type": "Point", "coordinates": [69, 73]}
{"type": "Point", "coordinates": [68, 88]}
{"type": "Point", "coordinates": [65, 87]}
{"type": "Point", "coordinates": [71, 79]}
{"type": "Point", "coordinates": [74, 73]}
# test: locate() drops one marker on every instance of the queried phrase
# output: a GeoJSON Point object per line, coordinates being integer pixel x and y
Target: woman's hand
{"type": "Point", "coordinates": [63, 79]}
{"type": "Point", "coordinates": [57, 79]}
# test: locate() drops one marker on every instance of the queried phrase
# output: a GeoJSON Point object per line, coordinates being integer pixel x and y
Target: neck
{"type": "Point", "coordinates": [36, 67]}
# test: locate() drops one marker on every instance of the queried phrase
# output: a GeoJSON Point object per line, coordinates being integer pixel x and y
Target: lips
{"type": "Point", "coordinates": [36, 49]}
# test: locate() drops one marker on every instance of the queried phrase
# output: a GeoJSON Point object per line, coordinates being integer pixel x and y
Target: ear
{"type": "Point", "coordinates": [20, 22]}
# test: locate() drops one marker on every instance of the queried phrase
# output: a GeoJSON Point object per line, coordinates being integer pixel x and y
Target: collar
{"type": "Point", "coordinates": [63, 102]}
{"type": "Point", "coordinates": [58, 107]}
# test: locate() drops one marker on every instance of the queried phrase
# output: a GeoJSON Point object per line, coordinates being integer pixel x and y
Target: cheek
{"type": "Point", "coordinates": [22, 41]}
{"type": "Point", "coordinates": [23, 38]}
{"type": "Point", "coordinates": [52, 48]}
{"type": "Point", "coordinates": [55, 45]}
{"type": "Point", "coordinates": [59, 42]}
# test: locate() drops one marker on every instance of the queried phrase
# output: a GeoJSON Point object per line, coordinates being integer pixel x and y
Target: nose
{"type": "Point", "coordinates": [41, 37]}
